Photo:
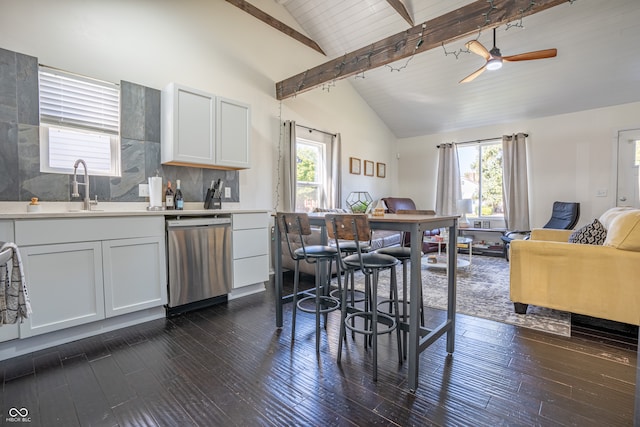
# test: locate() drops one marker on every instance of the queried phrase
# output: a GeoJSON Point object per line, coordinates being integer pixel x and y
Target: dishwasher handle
{"type": "Point", "coordinates": [198, 222]}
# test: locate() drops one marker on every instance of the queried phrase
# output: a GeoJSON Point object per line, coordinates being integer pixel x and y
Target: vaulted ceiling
{"type": "Point", "coordinates": [597, 65]}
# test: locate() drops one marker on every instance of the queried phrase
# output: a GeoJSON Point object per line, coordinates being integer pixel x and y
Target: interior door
{"type": "Point", "coordinates": [628, 192]}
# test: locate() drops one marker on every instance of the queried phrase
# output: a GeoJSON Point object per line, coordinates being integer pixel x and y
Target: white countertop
{"type": "Point", "coordinates": [18, 210]}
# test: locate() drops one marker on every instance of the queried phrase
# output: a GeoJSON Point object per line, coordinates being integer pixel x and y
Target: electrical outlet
{"type": "Point", "coordinates": [143, 190]}
{"type": "Point", "coordinates": [601, 192]}
{"type": "Point", "coordinates": [227, 192]}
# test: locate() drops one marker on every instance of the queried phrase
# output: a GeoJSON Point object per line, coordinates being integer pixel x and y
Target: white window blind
{"type": "Point", "coordinates": [80, 119]}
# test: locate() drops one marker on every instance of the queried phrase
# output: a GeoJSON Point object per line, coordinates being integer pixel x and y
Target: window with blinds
{"type": "Point", "coordinates": [79, 119]}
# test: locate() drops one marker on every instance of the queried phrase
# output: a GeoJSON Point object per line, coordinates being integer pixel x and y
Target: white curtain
{"type": "Point", "coordinates": [289, 166]}
{"type": "Point", "coordinates": [334, 186]}
{"type": "Point", "coordinates": [515, 183]}
{"type": "Point", "coordinates": [449, 189]}
{"type": "Point", "coordinates": [331, 197]}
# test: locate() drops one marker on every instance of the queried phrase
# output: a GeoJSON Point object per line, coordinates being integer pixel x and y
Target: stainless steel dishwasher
{"type": "Point", "coordinates": [200, 262]}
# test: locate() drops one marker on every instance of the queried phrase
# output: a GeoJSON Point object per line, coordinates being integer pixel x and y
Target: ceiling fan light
{"type": "Point", "coordinates": [494, 64]}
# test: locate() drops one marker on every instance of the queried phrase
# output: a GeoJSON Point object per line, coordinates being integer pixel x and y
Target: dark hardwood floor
{"type": "Point", "coordinates": [228, 365]}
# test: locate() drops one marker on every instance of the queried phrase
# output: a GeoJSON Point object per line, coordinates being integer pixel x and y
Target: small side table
{"type": "Point", "coordinates": [463, 242]}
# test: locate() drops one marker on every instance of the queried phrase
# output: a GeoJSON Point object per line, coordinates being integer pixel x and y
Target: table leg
{"type": "Point", "coordinates": [451, 282]}
{"type": "Point", "coordinates": [278, 274]}
{"type": "Point", "coordinates": [413, 358]}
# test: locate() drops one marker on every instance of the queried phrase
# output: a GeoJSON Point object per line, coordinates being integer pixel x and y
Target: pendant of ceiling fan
{"type": "Point", "coordinates": [494, 58]}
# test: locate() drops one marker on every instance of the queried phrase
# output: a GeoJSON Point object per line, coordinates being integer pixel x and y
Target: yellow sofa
{"type": "Point", "coordinates": [600, 281]}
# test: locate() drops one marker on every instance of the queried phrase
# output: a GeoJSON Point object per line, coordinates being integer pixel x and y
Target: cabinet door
{"type": "Point", "coordinates": [233, 134]}
{"type": "Point", "coordinates": [65, 286]}
{"type": "Point", "coordinates": [134, 274]}
{"type": "Point", "coordinates": [188, 126]}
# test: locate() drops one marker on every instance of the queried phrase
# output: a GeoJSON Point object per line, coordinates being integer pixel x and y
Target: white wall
{"type": "Point", "coordinates": [210, 45]}
{"type": "Point", "coordinates": [571, 158]}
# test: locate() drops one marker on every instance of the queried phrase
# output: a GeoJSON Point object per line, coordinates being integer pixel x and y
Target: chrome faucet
{"type": "Point", "coordinates": [87, 202]}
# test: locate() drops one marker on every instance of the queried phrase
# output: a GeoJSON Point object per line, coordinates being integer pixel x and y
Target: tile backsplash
{"type": "Point", "coordinates": [20, 176]}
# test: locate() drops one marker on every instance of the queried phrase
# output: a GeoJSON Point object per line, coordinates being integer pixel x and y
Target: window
{"type": "Point", "coordinates": [314, 170]}
{"type": "Point", "coordinates": [481, 178]}
{"type": "Point", "coordinates": [310, 174]}
{"type": "Point", "coordinates": [79, 119]}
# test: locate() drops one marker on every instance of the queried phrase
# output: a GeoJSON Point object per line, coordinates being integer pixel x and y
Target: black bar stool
{"type": "Point", "coordinates": [297, 224]}
{"type": "Point", "coordinates": [403, 254]}
{"type": "Point", "coordinates": [356, 228]}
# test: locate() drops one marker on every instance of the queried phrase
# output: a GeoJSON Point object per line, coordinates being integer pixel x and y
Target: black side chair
{"type": "Point", "coordinates": [564, 216]}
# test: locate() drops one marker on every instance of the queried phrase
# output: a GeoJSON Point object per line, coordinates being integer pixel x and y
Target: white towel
{"type": "Point", "coordinates": [14, 298]}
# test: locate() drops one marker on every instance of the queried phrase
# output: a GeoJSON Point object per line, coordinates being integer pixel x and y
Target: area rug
{"type": "Point", "coordinates": [482, 291]}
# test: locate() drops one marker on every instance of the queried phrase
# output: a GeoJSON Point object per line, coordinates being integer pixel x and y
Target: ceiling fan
{"type": "Point", "coordinates": [495, 59]}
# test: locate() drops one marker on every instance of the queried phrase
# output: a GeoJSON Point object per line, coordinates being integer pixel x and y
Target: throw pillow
{"type": "Point", "coordinates": [590, 234]}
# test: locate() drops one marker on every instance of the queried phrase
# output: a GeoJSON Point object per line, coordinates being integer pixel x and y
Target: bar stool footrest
{"type": "Point", "coordinates": [330, 303]}
{"type": "Point", "coordinates": [368, 316]}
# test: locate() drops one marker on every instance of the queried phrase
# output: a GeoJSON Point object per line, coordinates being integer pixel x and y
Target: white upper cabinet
{"type": "Point", "coordinates": [200, 129]}
{"type": "Point", "coordinates": [233, 123]}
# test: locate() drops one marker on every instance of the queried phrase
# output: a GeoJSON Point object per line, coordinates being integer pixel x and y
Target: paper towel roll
{"type": "Point", "coordinates": [155, 192]}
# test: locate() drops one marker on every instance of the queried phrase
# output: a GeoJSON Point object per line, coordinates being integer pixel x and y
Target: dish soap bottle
{"type": "Point", "coordinates": [168, 196]}
{"type": "Point", "coordinates": [178, 198]}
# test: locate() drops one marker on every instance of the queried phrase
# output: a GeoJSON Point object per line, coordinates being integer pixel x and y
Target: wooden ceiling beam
{"type": "Point", "coordinates": [278, 25]}
{"type": "Point", "coordinates": [444, 29]}
{"type": "Point", "coordinates": [402, 10]}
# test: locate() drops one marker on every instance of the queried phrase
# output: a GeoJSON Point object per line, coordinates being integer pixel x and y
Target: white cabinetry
{"type": "Point", "coordinates": [250, 252]}
{"type": "Point", "coordinates": [127, 265]}
{"type": "Point", "coordinates": [201, 129]}
{"type": "Point", "coordinates": [82, 270]}
{"type": "Point", "coordinates": [233, 122]}
{"type": "Point", "coordinates": [188, 126]}
{"type": "Point", "coordinates": [65, 286]}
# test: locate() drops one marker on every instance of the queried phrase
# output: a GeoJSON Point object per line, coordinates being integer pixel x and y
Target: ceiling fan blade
{"type": "Point", "coordinates": [538, 54]}
{"type": "Point", "coordinates": [476, 47]}
{"type": "Point", "coordinates": [474, 74]}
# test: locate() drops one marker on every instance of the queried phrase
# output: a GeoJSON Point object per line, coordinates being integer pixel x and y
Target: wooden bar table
{"type": "Point", "coordinates": [419, 337]}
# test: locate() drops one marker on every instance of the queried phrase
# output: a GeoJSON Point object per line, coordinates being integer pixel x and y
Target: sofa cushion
{"type": "Point", "coordinates": [395, 204]}
{"type": "Point", "coordinates": [590, 234]}
{"type": "Point", "coordinates": [624, 231]}
{"type": "Point", "coordinates": [609, 215]}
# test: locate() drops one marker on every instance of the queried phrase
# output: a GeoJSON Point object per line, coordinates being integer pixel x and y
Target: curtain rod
{"type": "Point", "coordinates": [477, 141]}
{"type": "Point", "coordinates": [317, 130]}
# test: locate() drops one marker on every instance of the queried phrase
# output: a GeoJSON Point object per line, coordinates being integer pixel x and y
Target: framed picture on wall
{"type": "Point", "coordinates": [382, 170]}
{"type": "Point", "coordinates": [486, 224]}
{"type": "Point", "coordinates": [354, 165]}
{"type": "Point", "coordinates": [477, 224]}
{"type": "Point", "coordinates": [368, 167]}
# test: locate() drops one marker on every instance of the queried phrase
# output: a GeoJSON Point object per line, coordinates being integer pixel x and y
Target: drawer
{"type": "Point", "coordinates": [248, 243]}
{"type": "Point", "coordinates": [248, 271]}
{"type": "Point", "coordinates": [250, 220]}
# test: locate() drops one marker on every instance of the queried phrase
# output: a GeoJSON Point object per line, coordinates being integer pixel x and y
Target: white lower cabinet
{"type": "Point", "coordinates": [127, 264]}
{"type": "Point", "coordinates": [65, 286]}
{"type": "Point", "coordinates": [250, 250]}
{"type": "Point", "coordinates": [107, 267]}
